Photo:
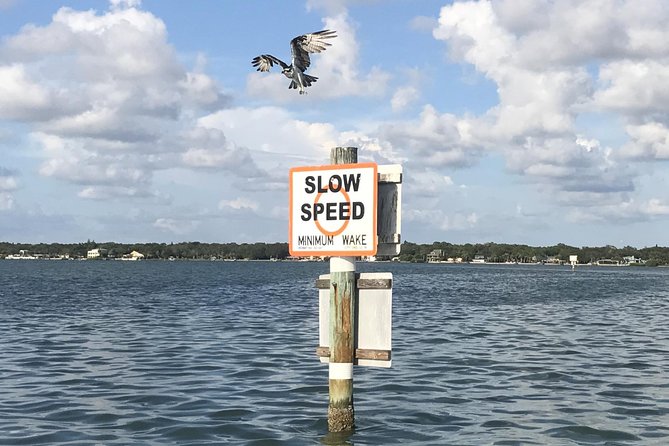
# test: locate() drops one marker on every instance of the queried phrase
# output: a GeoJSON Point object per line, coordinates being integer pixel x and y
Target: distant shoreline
{"type": "Point", "coordinates": [437, 252]}
{"type": "Point", "coordinates": [537, 264]}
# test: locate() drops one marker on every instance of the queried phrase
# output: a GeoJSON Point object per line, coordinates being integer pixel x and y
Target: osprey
{"type": "Point", "coordinates": [300, 47]}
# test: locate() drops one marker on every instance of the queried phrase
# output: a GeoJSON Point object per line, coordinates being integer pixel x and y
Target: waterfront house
{"type": "Point", "coordinates": [22, 255]}
{"type": "Point", "coordinates": [134, 255]}
{"type": "Point", "coordinates": [97, 253]}
{"type": "Point", "coordinates": [435, 256]}
{"type": "Point", "coordinates": [631, 260]}
{"type": "Point", "coordinates": [479, 259]}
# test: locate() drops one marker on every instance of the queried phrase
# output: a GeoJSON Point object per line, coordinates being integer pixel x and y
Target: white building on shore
{"type": "Point", "coordinates": [97, 253]}
{"type": "Point", "coordinates": [135, 255]}
{"type": "Point", "coordinates": [22, 255]}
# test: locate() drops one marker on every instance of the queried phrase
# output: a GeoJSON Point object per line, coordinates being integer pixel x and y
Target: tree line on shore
{"type": "Point", "coordinates": [410, 252]}
{"type": "Point", "coordinates": [502, 252]}
{"type": "Point", "coordinates": [182, 250]}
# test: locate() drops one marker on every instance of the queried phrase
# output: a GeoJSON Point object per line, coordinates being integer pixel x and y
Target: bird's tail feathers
{"type": "Point", "coordinates": [308, 80]}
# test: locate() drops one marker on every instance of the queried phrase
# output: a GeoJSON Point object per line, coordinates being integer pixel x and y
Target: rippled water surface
{"type": "Point", "coordinates": [224, 353]}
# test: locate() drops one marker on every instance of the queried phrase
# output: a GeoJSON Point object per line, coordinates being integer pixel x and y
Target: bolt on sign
{"type": "Point", "coordinates": [333, 210]}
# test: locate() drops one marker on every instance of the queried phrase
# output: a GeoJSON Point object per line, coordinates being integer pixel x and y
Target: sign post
{"type": "Point", "coordinates": [333, 212]}
{"type": "Point", "coordinates": [343, 295]}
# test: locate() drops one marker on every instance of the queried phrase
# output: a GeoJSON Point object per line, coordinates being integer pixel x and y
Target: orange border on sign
{"type": "Point", "coordinates": [369, 252]}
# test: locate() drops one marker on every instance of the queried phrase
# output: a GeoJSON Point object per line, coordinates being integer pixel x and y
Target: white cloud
{"type": "Point", "coordinates": [429, 184]}
{"type": "Point", "coordinates": [176, 226]}
{"type": "Point", "coordinates": [437, 218]}
{"type": "Point", "coordinates": [403, 97]}
{"type": "Point", "coordinates": [279, 139]}
{"type": "Point", "coordinates": [423, 23]}
{"type": "Point", "coordinates": [634, 87]}
{"type": "Point", "coordinates": [6, 201]}
{"type": "Point", "coordinates": [273, 131]}
{"type": "Point", "coordinates": [8, 184]}
{"type": "Point", "coordinates": [106, 97]}
{"type": "Point", "coordinates": [655, 206]}
{"type": "Point", "coordinates": [648, 141]}
{"type": "Point", "coordinates": [600, 208]}
{"type": "Point", "coordinates": [553, 61]}
{"type": "Point", "coordinates": [238, 204]}
{"type": "Point", "coordinates": [81, 162]}
{"type": "Point", "coordinates": [207, 147]}
{"type": "Point", "coordinates": [570, 165]}
{"type": "Point", "coordinates": [120, 4]}
{"type": "Point", "coordinates": [7, 181]}
{"type": "Point", "coordinates": [105, 193]}
{"type": "Point", "coordinates": [434, 139]}
{"type": "Point", "coordinates": [21, 97]}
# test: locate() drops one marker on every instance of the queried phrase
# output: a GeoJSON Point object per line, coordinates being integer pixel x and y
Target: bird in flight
{"type": "Point", "coordinates": [300, 48]}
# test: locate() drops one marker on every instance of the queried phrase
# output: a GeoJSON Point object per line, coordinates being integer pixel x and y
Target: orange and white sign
{"type": "Point", "coordinates": [333, 210]}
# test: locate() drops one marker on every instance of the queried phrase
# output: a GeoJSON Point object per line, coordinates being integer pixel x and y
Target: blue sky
{"type": "Point", "coordinates": [516, 121]}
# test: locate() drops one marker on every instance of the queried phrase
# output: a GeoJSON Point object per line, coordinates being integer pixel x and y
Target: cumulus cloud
{"type": "Point", "coordinates": [176, 226]}
{"type": "Point", "coordinates": [423, 23]}
{"type": "Point", "coordinates": [622, 208]}
{"type": "Point", "coordinates": [434, 139]}
{"type": "Point", "coordinates": [119, 4]}
{"type": "Point", "coordinates": [552, 62]}
{"type": "Point", "coordinates": [655, 206]}
{"type": "Point", "coordinates": [648, 141]}
{"type": "Point", "coordinates": [22, 97]}
{"type": "Point", "coordinates": [282, 139]}
{"type": "Point", "coordinates": [6, 201]}
{"type": "Point", "coordinates": [276, 134]}
{"type": "Point", "coordinates": [238, 204]}
{"type": "Point", "coordinates": [429, 184]}
{"type": "Point", "coordinates": [105, 193]}
{"type": "Point", "coordinates": [441, 220]}
{"type": "Point", "coordinates": [634, 87]}
{"type": "Point", "coordinates": [106, 97]}
{"type": "Point", "coordinates": [209, 148]}
{"type": "Point", "coordinates": [8, 180]}
{"type": "Point", "coordinates": [403, 97]}
{"type": "Point", "coordinates": [570, 164]}
{"type": "Point", "coordinates": [8, 184]}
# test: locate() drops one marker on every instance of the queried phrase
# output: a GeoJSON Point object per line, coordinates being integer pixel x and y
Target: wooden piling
{"type": "Point", "coordinates": [343, 295]}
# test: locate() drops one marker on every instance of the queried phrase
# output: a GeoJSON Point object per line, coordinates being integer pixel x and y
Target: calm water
{"type": "Point", "coordinates": [224, 353]}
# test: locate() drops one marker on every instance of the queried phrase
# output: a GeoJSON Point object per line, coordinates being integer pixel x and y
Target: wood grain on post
{"type": "Point", "coordinates": [344, 155]}
{"type": "Point", "coordinates": [343, 295]}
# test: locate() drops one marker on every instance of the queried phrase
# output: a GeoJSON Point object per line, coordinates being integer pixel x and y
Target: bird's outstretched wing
{"type": "Point", "coordinates": [301, 46]}
{"type": "Point", "coordinates": [266, 61]}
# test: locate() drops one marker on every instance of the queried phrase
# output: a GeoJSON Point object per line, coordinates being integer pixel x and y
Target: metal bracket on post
{"type": "Point", "coordinates": [389, 210]}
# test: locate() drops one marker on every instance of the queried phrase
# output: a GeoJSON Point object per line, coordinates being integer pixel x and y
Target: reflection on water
{"type": "Point", "coordinates": [224, 353]}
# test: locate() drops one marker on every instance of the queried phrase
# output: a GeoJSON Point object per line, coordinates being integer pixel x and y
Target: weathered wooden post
{"type": "Point", "coordinates": [343, 295]}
